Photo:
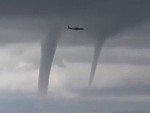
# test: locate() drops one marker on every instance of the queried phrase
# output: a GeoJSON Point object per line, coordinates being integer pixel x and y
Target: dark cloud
{"type": "Point", "coordinates": [43, 7]}
{"type": "Point", "coordinates": [58, 7]}
{"type": "Point", "coordinates": [101, 19]}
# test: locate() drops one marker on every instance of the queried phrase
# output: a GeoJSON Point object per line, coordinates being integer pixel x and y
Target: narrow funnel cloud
{"type": "Point", "coordinates": [98, 47]}
{"type": "Point", "coordinates": [48, 49]}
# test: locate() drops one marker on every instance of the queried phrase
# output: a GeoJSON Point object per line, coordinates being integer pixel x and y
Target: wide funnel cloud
{"type": "Point", "coordinates": [48, 49]}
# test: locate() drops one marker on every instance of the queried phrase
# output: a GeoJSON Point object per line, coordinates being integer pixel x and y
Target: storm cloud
{"type": "Point", "coordinates": [121, 83]}
{"type": "Point", "coordinates": [100, 18]}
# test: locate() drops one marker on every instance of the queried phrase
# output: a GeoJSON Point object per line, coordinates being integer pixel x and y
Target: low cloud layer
{"type": "Point", "coordinates": [115, 85]}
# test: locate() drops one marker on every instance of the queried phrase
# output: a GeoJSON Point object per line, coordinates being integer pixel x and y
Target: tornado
{"type": "Point", "coordinates": [97, 50]}
{"type": "Point", "coordinates": [48, 48]}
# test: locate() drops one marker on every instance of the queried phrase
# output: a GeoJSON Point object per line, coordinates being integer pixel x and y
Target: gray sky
{"type": "Point", "coordinates": [121, 83]}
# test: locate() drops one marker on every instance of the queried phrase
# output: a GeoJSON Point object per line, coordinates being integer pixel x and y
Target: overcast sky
{"type": "Point", "coordinates": [122, 79]}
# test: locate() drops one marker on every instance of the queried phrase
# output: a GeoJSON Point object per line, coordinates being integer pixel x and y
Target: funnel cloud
{"type": "Point", "coordinates": [97, 50]}
{"type": "Point", "coordinates": [48, 49]}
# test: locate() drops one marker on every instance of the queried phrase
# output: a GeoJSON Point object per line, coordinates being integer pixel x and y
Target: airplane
{"type": "Point", "coordinates": [75, 28]}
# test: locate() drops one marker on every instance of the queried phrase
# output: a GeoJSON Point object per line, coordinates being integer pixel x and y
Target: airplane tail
{"type": "Point", "coordinates": [68, 27]}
